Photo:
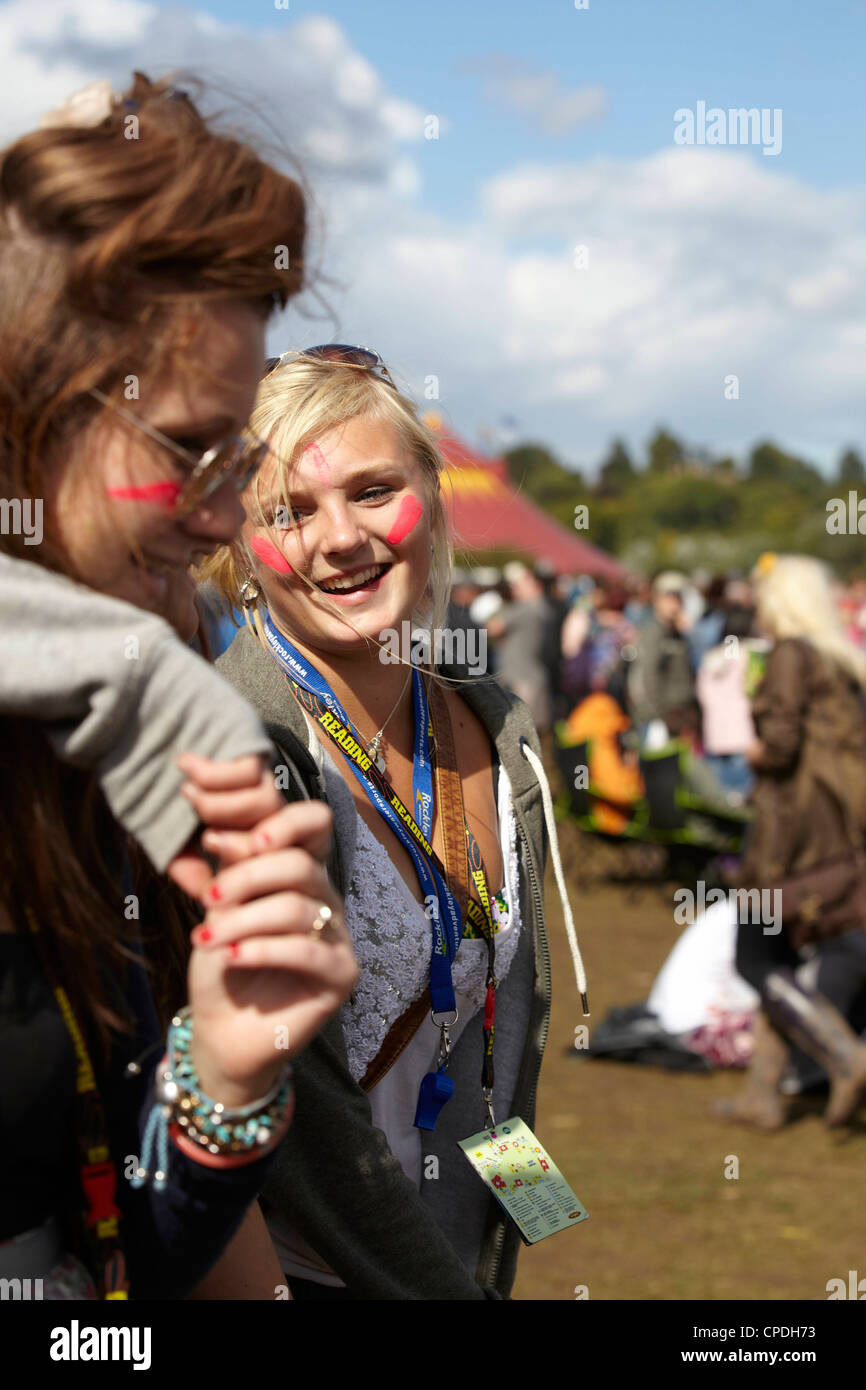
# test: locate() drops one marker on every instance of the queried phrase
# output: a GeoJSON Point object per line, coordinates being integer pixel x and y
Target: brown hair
{"type": "Point", "coordinates": [110, 248]}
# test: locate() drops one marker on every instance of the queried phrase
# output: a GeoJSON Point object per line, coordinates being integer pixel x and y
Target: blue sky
{"type": "Point", "coordinates": [651, 57]}
{"type": "Point", "coordinates": [455, 256]}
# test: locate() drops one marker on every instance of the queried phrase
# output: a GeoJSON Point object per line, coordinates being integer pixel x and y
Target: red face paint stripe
{"type": "Point", "coordinates": [409, 513]}
{"type": "Point", "coordinates": [269, 555]}
{"type": "Point", "coordinates": [323, 468]}
{"type": "Point", "coordinates": [164, 494]}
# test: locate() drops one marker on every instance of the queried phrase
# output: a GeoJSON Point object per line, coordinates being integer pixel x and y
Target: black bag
{"type": "Point", "coordinates": [634, 1034]}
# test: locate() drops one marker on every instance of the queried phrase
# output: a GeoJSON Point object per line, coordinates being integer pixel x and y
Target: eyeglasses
{"type": "Point", "coordinates": [342, 355]}
{"type": "Point", "coordinates": [238, 457]}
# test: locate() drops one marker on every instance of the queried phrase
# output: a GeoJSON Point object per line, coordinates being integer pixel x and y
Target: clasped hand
{"type": "Point", "coordinates": [262, 981]}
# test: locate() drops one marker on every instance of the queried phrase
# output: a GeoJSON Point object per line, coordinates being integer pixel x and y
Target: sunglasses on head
{"type": "Point", "coordinates": [237, 457]}
{"type": "Point", "coordinates": [341, 355]}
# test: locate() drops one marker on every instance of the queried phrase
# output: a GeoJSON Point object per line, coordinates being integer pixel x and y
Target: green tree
{"type": "Point", "coordinates": [665, 453]}
{"type": "Point", "coordinates": [693, 504]}
{"type": "Point", "coordinates": [616, 472]}
{"type": "Point", "coordinates": [536, 471]}
{"type": "Point", "coordinates": [851, 470]}
{"type": "Point", "coordinates": [768, 463]}
{"type": "Point", "coordinates": [725, 467]}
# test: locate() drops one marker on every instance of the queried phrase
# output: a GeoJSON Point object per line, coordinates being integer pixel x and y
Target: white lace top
{"type": "Point", "coordinates": [393, 939]}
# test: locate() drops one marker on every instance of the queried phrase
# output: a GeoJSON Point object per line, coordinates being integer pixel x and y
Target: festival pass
{"type": "Point", "coordinates": [524, 1179]}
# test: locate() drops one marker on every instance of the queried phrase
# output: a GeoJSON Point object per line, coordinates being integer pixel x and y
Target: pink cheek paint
{"type": "Point", "coordinates": [161, 494]}
{"type": "Point", "coordinates": [408, 516]}
{"type": "Point", "coordinates": [323, 468]}
{"type": "Point", "coordinates": [269, 555]}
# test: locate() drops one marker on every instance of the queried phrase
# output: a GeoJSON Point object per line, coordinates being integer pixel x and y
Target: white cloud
{"type": "Point", "coordinates": [825, 289]}
{"type": "Point", "coordinates": [701, 262]}
{"type": "Point", "coordinates": [323, 97]}
{"type": "Point", "coordinates": [539, 93]}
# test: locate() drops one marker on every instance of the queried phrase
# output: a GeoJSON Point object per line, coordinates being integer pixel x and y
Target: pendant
{"type": "Point", "coordinates": [374, 752]}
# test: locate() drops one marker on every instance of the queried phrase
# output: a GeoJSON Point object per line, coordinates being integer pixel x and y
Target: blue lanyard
{"type": "Point", "coordinates": [446, 923]}
{"type": "Point", "coordinates": [422, 771]}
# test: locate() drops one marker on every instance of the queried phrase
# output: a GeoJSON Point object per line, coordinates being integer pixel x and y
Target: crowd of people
{"type": "Point", "coordinates": [763, 678]}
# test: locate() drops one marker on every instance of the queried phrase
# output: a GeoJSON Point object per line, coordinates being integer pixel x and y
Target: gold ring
{"type": "Point", "coordinates": [323, 918]}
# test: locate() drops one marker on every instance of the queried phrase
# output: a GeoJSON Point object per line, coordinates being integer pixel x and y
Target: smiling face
{"type": "Point", "coordinates": [112, 496]}
{"type": "Point", "coordinates": [359, 497]}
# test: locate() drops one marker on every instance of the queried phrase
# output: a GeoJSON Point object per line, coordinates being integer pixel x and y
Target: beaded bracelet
{"type": "Point", "coordinates": [242, 1134]}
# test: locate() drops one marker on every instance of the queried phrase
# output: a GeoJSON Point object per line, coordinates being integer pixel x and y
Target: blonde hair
{"type": "Point", "coordinates": [298, 403]}
{"type": "Point", "coordinates": [794, 598]}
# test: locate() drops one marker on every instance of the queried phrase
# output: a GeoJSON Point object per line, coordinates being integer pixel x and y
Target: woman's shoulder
{"type": "Point", "coordinates": [790, 658]}
{"type": "Point", "coordinates": [508, 726]}
{"type": "Point", "coordinates": [505, 717]}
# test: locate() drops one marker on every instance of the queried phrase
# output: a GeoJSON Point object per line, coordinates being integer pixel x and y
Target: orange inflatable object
{"type": "Point", "coordinates": [598, 720]}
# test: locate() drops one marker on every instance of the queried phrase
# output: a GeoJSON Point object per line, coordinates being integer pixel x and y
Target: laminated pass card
{"type": "Point", "coordinates": [525, 1180]}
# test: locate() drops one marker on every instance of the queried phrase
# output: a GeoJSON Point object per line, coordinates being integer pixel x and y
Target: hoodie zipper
{"type": "Point", "coordinates": [493, 1256]}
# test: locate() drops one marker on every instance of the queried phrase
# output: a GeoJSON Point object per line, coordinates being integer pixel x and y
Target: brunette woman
{"type": "Point", "coordinates": [136, 277]}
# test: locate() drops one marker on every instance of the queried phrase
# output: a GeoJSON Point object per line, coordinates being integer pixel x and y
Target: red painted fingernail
{"type": "Point", "coordinates": [204, 934]}
{"type": "Point", "coordinates": [234, 950]}
{"type": "Point", "coordinates": [214, 892]}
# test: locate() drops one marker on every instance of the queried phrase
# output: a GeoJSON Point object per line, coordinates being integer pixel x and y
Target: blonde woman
{"type": "Point", "coordinates": [344, 549]}
{"type": "Point", "coordinates": [810, 804]}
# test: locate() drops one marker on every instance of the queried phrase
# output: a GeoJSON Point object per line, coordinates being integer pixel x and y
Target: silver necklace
{"type": "Point", "coordinates": [374, 748]}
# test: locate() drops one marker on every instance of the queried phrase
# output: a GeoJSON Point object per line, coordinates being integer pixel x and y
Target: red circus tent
{"type": "Point", "coordinates": [486, 513]}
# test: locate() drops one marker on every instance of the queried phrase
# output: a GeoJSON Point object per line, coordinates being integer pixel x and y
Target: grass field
{"type": "Point", "coordinates": [647, 1158]}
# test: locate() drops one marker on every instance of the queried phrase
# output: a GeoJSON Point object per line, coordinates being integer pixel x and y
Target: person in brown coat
{"type": "Point", "coordinates": [810, 810]}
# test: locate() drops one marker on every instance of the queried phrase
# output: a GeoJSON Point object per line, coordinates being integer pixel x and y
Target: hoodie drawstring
{"type": "Point", "coordinates": [547, 801]}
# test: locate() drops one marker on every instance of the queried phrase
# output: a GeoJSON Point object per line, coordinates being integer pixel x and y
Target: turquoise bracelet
{"type": "Point", "coordinates": [180, 1100]}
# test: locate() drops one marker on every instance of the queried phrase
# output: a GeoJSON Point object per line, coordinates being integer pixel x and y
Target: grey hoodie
{"type": "Point", "coordinates": [121, 695]}
{"type": "Point", "coordinates": [336, 1181]}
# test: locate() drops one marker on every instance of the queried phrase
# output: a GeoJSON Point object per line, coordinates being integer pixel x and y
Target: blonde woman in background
{"type": "Point", "coordinates": [345, 547]}
{"type": "Point", "coordinates": [810, 803]}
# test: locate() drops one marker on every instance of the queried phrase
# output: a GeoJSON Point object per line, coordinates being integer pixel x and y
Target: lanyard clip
{"type": "Point", "coordinates": [444, 1022]}
{"type": "Point", "coordinates": [487, 1093]}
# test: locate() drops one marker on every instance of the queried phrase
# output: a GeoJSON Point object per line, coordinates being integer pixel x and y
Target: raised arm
{"type": "Point", "coordinates": [122, 695]}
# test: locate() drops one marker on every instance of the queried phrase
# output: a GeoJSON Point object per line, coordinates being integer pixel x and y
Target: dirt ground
{"type": "Point", "coordinates": [644, 1153]}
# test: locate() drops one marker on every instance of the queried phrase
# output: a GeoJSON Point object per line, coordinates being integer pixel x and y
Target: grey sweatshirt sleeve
{"type": "Point", "coordinates": [122, 695]}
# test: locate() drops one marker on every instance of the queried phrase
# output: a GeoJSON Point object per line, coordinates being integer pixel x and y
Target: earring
{"type": "Point", "coordinates": [250, 592]}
